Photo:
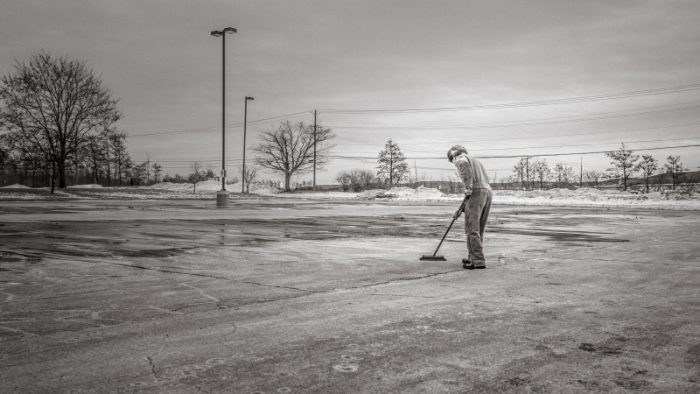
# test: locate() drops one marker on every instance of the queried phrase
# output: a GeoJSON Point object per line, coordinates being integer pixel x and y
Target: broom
{"type": "Point", "coordinates": [434, 256]}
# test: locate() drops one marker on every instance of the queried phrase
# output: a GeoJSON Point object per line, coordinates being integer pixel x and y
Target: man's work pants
{"type": "Point", "coordinates": [476, 214]}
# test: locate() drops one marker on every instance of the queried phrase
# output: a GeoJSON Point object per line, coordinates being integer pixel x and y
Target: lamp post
{"type": "Point", "coordinates": [222, 195]}
{"type": "Point", "coordinates": [245, 124]}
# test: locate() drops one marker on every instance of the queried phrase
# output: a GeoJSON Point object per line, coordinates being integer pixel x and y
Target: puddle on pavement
{"type": "Point", "coordinates": [167, 238]}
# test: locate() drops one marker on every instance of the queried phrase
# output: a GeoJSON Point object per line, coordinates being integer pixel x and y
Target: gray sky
{"type": "Point", "coordinates": [297, 56]}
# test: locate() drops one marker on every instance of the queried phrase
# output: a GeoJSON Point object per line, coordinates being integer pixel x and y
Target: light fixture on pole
{"type": "Point", "coordinates": [222, 195]}
{"type": "Point", "coordinates": [245, 124]}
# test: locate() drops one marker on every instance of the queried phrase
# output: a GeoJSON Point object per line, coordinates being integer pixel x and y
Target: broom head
{"type": "Point", "coordinates": [429, 257]}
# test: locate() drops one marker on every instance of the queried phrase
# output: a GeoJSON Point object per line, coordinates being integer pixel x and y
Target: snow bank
{"type": "Point", "coordinates": [212, 186]}
{"type": "Point", "coordinates": [263, 188]}
{"type": "Point", "coordinates": [583, 197]}
{"type": "Point", "coordinates": [88, 186]}
{"type": "Point", "coordinates": [404, 194]}
{"type": "Point", "coordinates": [15, 186]}
{"type": "Point", "coordinates": [204, 186]}
{"type": "Point", "coordinates": [588, 197]}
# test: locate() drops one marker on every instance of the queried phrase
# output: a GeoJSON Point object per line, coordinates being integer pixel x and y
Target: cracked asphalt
{"type": "Point", "coordinates": [284, 295]}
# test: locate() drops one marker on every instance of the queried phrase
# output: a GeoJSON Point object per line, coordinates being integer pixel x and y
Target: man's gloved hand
{"type": "Point", "coordinates": [462, 208]}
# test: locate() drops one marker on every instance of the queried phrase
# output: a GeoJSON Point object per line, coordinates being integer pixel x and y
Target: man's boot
{"type": "Point", "coordinates": [468, 265]}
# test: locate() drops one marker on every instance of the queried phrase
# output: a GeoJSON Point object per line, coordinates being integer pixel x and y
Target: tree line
{"type": "Point", "coordinates": [57, 125]}
{"type": "Point", "coordinates": [392, 169]}
{"type": "Point", "coordinates": [530, 173]}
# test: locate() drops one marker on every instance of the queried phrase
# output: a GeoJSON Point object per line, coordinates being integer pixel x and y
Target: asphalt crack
{"type": "Point", "coordinates": [402, 279]}
{"type": "Point", "coordinates": [277, 286]}
{"type": "Point", "coordinates": [153, 365]}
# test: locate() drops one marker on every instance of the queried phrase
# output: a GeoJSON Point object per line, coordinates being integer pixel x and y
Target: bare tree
{"type": "Point", "coordinates": [675, 168]}
{"type": "Point", "coordinates": [648, 166]}
{"type": "Point", "coordinates": [4, 157]}
{"type": "Point", "coordinates": [196, 176]}
{"type": "Point", "coordinates": [523, 170]}
{"type": "Point", "coordinates": [344, 180]}
{"type": "Point", "coordinates": [361, 179]}
{"type": "Point", "coordinates": [138, 172]}
{"type": "Point", "coordinates": [53, 104]}
{"type": "Point", "coordinates": [20, 159]}
{"type": "Point", "coordinates": [357, 179]}
{"type": "Point", "coordinates": [624, 164]}
{"type": "Point", "coordinates": [541, 170]}
{"type": "Point", "coordinates": [290, 149]}
{"type": "Point", "coordinates": [392, 163]}
{"type": "Point", "coordinates": [248, 176]}
{"type": "Point", "coordinates": [564, 174]}
{"type": "Point", "coordinates": [119, 155]}
{"type": "Point", "coordinates": [593, 177]}
{"type": "Point", "coordinates": [157, 170]}
{"type": "Point", "coordinates": [95, 154]}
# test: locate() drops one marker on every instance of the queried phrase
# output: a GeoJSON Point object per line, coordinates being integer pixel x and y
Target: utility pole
{"type": "Point", "coordinates": [415, 171]}
{"type": "Point", "coordinates": [315, 116]}
{"type": "Point", "coordinates": [245, 124]}
{"type": "Point", "coordinates": [580, 181]}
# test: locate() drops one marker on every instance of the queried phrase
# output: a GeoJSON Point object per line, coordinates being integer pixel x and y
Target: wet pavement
{"type": "Point", "coordinates": [280, 295]}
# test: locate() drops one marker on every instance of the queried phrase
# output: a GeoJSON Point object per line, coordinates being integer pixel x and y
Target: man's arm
{"type": "Point", "coordinates": [465, 172]}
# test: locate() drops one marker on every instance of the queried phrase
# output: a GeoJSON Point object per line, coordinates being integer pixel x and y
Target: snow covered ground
{"type": "Point", "coordinates": [15, 186]}
{"type": "Point", "coordinates": [583, 197]}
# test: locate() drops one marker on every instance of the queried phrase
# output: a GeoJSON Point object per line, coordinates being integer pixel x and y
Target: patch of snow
{"type": "Point", "coordinates": [203, 186]}
{"type": "Point", "coordinates": [88, 186]}
{"type": "Point", "coordinates": [15, 186]}
{"type": "Point", "coordinates": [589, 197]}
{"type": "Point", "coordinates": [582, 197]}
{"type": "Point", "coordinates": [263, 188]}
{"type": "Point", "coordinates": [404, 194]}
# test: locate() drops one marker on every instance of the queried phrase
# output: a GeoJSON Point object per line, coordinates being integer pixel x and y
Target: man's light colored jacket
{"type": "Point", "coordinates": [472, 172]}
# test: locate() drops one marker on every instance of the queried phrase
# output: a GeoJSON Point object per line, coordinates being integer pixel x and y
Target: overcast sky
{"type": "Point", "coordinates": [159, 59]}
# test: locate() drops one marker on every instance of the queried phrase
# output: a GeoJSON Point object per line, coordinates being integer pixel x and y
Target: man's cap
{"type": "Point", "coordinates": [459, 148]}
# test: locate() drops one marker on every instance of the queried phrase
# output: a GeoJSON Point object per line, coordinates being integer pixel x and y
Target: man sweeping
{"type": "Point", "coordinates": [476, 212]}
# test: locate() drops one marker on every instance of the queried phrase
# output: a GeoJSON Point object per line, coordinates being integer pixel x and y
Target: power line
{"type": "Point", "coordinates": [560, 119]}
{"type": "Point", "coordinates": [563, 135]}
{"type": "Point", "coordinates": [589, 152]}
{"type": "Point", "coordinates": [202, 129]}
{"type": "Point", "coordinates": [536, 103]}
{"type": "Point", "coordinates": [657, 91]}
{"type": "Point", "coordinates": [359, 157]}
{"type": "Point", "coordinates": [572, 145]}
{"type": "Point", "coordinates": [517, 156]}
{"type": "Point", "coordinates": [576, 145]}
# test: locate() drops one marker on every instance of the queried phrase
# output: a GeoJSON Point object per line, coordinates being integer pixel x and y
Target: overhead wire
{"type": "Point", "coordinates": [534, 103]}
{"type": "Point", "coordinates": [567, 119]}
{"type": "Point", "coordinates": [520, 155]}
{"type": "Point", "coordinates": [202, 129]}
{"type": "Point", "coordinates": [645, 92]}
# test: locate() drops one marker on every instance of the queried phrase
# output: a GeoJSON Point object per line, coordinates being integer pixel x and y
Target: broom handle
{"type": "Point", "coordinates": [456, 215]}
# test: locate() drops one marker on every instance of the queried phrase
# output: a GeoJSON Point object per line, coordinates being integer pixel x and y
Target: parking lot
{"type": "Point", "coordinates": [290, 295]}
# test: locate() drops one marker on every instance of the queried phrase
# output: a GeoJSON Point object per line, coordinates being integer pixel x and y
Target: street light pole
{"type": "Point", "coordinates": [245, 124]}
{"type": "Point", "coordinates": [222, 195]}
{"type": "Point", "coordinates": [315, 114]}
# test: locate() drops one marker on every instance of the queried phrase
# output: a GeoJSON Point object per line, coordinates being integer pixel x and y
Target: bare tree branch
{"type": "Point", "coordinates": [289, 148]}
